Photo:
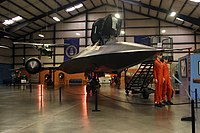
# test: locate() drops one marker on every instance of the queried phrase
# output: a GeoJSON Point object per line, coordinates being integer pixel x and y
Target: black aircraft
{"type": "Point", "coordinates": [105, 55]}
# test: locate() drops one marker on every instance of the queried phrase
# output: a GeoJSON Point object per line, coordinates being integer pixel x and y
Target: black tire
{"type": "Point", "coordinates": [145, 93]}
{"type": "Point", "coordinates": [127, 92]}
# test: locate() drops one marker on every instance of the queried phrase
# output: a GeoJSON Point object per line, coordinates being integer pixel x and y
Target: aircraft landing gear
{"type": "Point", "coordinates": [89, 88]}
{"type": "Point", "coordinates": [92, 85]}
{"type": "Point", "coordinates": [145, 93]}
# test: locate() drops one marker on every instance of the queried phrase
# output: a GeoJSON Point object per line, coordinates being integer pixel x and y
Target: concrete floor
{"type": "Point", "coordinates": [25, 112]}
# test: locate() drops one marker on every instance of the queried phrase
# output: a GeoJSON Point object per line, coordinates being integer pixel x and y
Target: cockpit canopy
{"type": "Point", "coordinates": [105, 28]}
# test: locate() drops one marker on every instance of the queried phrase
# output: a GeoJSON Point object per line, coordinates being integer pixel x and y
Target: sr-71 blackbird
{"type": "Point", "coordinates": [105, 54]}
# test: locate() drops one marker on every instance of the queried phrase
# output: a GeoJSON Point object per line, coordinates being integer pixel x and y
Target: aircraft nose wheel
{"type": "Point", "coordinates": [145, 93]}
{"type": "Point", "coordinates": [89, 88]}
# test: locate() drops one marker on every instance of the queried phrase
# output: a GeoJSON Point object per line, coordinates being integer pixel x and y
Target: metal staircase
{"type": "Point", "coordinates": [141, 79]}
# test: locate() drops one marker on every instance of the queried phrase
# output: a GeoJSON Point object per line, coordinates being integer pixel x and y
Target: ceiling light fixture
{"type": "Point", "coordinates": [8, 22]}
{"type": "Point", "coordinates": [78, 34]}
{"type": "Point", "coordinates": [117, 15]}
{"type": "Point", "coordinates": [41, 35]}
{"type": "Point", "coordinates": [163, 31]}
{"type": "Point", "coordinates": [122, 32]}
{"type": "Point", "coordinates": [18, 18]}
{"type": "Point", "coordinates": [70, 9]}
{"type": "Point", "coordinates": [172, 14]}
{"type": "Point", "coordinates": [179, 19]}
{"type": "Point", "coordinates": [78, 6]}
{"type": "Point", "coordinates": [195, 1]}
{"type": "Point", "coordinates": [56, 19]}
{"type": "Point", "coordinates": [74, 7]}
{"type": "Point", "coordinates": [12, 20]}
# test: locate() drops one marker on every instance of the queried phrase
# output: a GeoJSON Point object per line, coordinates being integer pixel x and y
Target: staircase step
{"type": "Point", "coordinates": [142, 77]}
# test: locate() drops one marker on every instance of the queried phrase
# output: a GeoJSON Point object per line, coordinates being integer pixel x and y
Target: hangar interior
{"type": "Point", "coordinates": [55, 21]}
{"type": "Point", "coordinates": [149, 19]}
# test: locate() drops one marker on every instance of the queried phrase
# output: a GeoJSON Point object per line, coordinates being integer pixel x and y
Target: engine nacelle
{"type": "Point", "coordinates": [33, 65]}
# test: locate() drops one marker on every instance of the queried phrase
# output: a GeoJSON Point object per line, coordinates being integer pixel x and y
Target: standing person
{"type": "Point", "coordinates": [167, 87]}
{"type": "Point", "coordinates": [158, 80]}
{"type": "Point", "coordinates": [176, 75]}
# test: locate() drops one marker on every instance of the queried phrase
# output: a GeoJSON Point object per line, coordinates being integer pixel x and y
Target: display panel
{"type": "Point", "coordinates": [183, 68]}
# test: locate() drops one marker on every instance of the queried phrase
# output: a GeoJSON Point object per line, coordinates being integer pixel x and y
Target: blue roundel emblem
{"type": "Point", "coordinates": [71, 51]}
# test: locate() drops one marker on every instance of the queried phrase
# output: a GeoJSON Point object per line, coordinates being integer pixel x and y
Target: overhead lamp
{"type": "Point", "coordinates": [41, 35]}
{"type": "Point", "coordinates": [117, 15]}
{"type": "Point", "coordinates": [179, 19]}
{"type": "Point", "coordinates": [195, 1]}
{"type": "Point", "coordinates": [172, 14]}
{"type": "Point", "coordinates": [8, 22]}
{"type": "Point", "coordinates": [163, 31]}
{"type": "Point", "coordinates": [78, 6]}
{"type": "Point", "coordinates": [70, 9]}
{"type": "Point", "coordinates": [78, 34]}
{"type": "Point", "coordinates": [122, 32]}
{"type": "Point", "coordinates": [56, 19]}
{"type": "Point", "coordinates": [12, 20]}
{"type": "Point", "coordinates": [74, 7]}
{"type": "Point", "coordinates": [18, 18]}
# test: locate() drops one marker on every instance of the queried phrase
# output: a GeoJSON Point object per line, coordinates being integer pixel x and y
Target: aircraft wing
{"type": "Point", "coordinates": [111, 58]}
{"type": "Point", "coordinates": [37, 44]}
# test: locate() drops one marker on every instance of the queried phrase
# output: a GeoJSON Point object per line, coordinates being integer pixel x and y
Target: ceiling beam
{"type": "Point", "coordinates": [1, 1]}
{"type": "Point", "coordinates": [62, 20]}
{"type": "Point", "coordinates": [184, 17]}
{"type": "Point", "coordinates": [50, 8]}
{"type": "Point", "coordinates": [25, 23]}
{"type": "Point", "coordinates": [181, 9]}
{"type": "Point", "coordinates": [159, 7]}
{"type": "Point", "coordinates": [170, 8]}
{"type": "Point", "coordinates": [153, 17]}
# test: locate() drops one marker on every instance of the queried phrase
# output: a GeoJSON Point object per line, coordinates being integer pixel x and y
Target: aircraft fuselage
{"type": "Point", "coordinates": [111, 57]}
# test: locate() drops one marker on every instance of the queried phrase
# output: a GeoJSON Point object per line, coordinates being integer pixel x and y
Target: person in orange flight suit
{"type": "Point", "coordinates": [167, 87]}
{"type": "Point", "coordinates": [158, 80]}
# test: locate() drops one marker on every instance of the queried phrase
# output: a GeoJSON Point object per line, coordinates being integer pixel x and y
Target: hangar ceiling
{"type": "Point", "coordinates": [38, 14]}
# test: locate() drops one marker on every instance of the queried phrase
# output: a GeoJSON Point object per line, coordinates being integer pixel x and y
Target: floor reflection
{"type": "Point", "coordinates": [85, 109]}
{"type": "Point", "coordinates": [40, 91]}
